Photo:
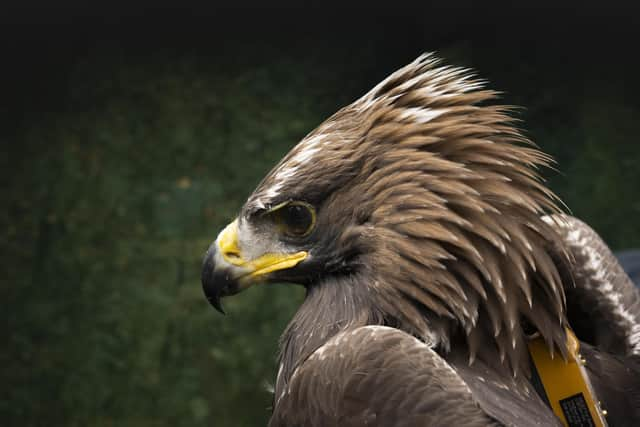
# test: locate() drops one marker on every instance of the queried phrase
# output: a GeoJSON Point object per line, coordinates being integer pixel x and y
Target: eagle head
{"type": "Point", "coordinates": [418, 206]}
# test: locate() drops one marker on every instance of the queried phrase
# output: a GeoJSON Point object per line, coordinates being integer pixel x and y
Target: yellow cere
{"type": "Point", "coordinates": [267, 263]}
{"type": "Point", "coordinates": [228, 244]}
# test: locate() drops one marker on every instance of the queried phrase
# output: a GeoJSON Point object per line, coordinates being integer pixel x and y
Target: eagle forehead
{"type": "Point", "coordinates": [301, 155]}
{"type": "Point", "coordinates": [289, 171]}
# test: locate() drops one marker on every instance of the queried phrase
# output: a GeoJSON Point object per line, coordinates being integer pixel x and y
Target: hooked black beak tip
{"type": "Point", "coordinates": [217, 304]}
{"type": "Point", "coordinates": [216, 283]}
{"type": "Point", "coordinates": [209, 287]}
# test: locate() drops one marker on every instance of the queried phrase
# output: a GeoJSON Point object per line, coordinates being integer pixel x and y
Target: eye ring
{"type": "Point", "coordinates": [294, 218]}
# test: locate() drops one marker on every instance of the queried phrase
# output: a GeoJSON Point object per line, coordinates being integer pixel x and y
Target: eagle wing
{"type": "Point", "coordinates": [381, 376]}
{"type": "Point", "coordinates": [603, 304]}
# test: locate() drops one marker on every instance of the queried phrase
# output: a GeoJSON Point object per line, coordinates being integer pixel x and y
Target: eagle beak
{"type": "Point", "coordinates": [225, 271]}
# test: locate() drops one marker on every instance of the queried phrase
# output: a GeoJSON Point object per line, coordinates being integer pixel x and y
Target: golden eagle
{"type": "Point", "coordinates": [433, 258]}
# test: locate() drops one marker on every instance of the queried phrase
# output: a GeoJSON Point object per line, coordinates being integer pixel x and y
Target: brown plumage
{"type": "Point", "coordinates": [432, 227]}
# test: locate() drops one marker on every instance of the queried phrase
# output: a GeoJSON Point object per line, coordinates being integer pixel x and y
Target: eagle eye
{"type": "Point", "coordinates": [294, 219]}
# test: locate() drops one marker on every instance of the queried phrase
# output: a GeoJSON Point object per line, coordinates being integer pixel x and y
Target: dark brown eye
{"type": "Point", "coordinates": [295, 219]}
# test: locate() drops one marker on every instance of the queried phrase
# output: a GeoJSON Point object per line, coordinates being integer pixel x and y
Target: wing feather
{"type": "Point", "coordinates": [603, 303]}
{"type": "Point", "coordinates": [377, 376]}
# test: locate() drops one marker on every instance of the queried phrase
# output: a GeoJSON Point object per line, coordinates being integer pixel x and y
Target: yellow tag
{"type": "Point", "coordinates": [566, 384]}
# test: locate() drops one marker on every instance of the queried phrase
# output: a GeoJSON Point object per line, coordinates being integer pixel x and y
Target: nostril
{"type": "Point", "coordinates": [232, 255]}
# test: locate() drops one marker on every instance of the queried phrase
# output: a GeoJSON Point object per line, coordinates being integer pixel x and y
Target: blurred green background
{"type": "Point", "coordinates": [132, 135]}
